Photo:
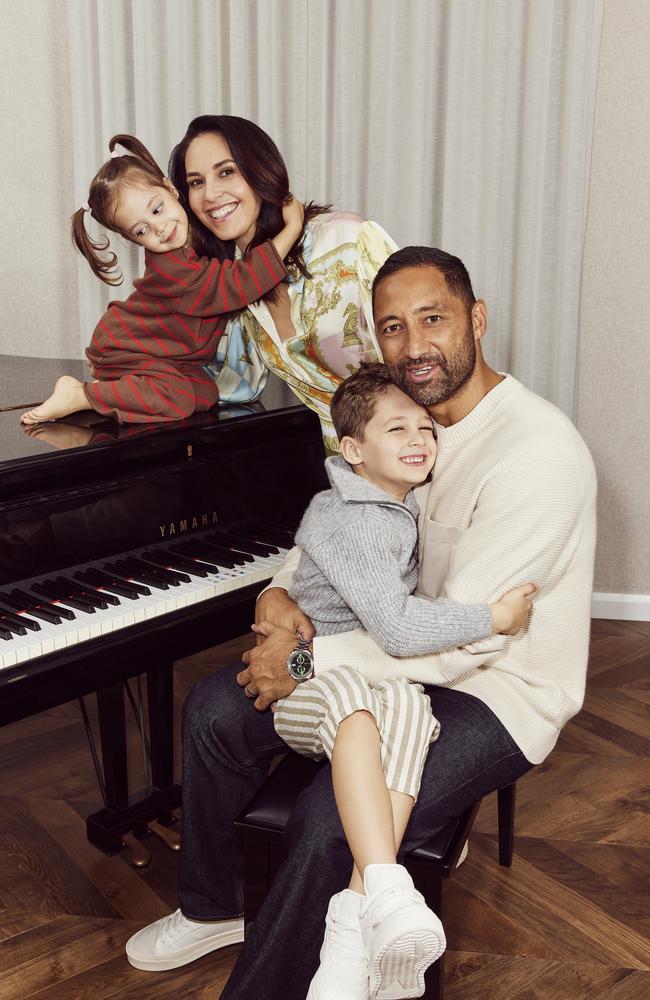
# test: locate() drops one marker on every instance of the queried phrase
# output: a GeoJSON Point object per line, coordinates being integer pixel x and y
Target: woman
{"type": "Point", "coordinates": [313, 331]}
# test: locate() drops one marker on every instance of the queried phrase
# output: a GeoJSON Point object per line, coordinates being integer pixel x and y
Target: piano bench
{"type": "Point", "coordinates": [261, 830]}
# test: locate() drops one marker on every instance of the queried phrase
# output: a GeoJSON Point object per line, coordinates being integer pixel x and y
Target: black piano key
{"type": "Point", "coordinates": [282, 529]}
{"type": "Point", "coordinates": [245, 544]}
{"type": "Point", "coordinates": [192, 550]}
{"type": "Point", "coordinates": [92, 597]}
{"type": "Point", "coordinates": [95, 592]}
{"type": "Point", "coordinates": [42, 609]}
{"type": "Point", "coordinates": [174, 563]}
{"type": "Point", "coordinates": [19, 619]}
{"type": "Point", "coordinates": [8, 626]}
{"type": "Point", "coordinates": [261, 538]}
{"type": "Point", "coordinates": [122, 589]}
{"type": "Point", "coordinates": [173, 577]}
{"type": "Point", "coordinates": [57, 593]}
{"type": "Point", "coordinates": [140, 575]}
{"type": "Point", "coordinates": [237, 553]}
{"type": "Point", "coordinates": [122, 580]}
{"type": "Point", "coordinates": [4, 634]}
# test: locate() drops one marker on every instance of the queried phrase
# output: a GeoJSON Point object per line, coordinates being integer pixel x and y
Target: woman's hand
{"type": "Point", "coordinates": [510, 613]}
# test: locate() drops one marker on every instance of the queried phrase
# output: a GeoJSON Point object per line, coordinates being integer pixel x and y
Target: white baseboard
{"type": "Point", "coordinates": [621, 607]}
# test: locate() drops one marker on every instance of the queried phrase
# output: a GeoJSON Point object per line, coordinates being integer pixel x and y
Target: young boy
{"type": "Point", "coordinates": [359, 568]}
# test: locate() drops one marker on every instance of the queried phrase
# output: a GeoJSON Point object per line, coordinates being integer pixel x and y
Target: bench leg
{"type": "Point", "coordinates": [256, 875]}
{"type": "Point", "coordinates": [428, 880]}
{"type": "Point", "coordinates": [506, 803]}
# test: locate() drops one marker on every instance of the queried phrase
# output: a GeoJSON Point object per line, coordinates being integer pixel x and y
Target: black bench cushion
{"type": "Point", "coordinates": [270, 808]}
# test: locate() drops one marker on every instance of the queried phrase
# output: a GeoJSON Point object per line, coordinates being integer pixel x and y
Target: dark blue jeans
{"type": "Point", "coordinates": [227, 749]}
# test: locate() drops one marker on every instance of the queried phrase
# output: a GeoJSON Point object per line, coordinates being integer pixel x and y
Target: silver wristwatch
{"type": "Point", "coordinates": [300, 662]}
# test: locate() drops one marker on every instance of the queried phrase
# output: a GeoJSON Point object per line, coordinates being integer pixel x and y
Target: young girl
{"type": "Point", "coordinates": [147, 354]}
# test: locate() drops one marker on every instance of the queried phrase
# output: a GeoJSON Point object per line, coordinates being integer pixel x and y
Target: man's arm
{"type": "Point", "coordinates": [278, 619]}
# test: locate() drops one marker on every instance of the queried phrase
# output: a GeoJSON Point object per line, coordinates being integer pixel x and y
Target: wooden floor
{"type": "Point", "coordinates": [569, 921]}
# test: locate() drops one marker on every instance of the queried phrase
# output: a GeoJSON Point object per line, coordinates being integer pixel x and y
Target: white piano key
{"type": "Point", "coordinates": [146, 608]}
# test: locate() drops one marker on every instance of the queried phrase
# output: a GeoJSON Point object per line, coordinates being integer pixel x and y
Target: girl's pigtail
{"type": "Point", "coordinates": [105, 267]}
{"type": "Point", "coordinates": [135, 148]}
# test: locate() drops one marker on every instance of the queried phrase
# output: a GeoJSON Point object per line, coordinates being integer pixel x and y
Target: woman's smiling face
{"type": "Point", "coordinates": [218, 194]}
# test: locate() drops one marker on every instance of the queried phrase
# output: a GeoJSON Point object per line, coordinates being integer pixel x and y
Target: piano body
{"type": "Point", "coordinates": [123, 549]}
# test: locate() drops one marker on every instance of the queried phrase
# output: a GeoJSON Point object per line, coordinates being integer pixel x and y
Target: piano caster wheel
{"type": "Point", "coordinates": [176, 813]}
{"type": "Point", "coordinates": [140, 855]}
{"type": "Point", "coordinates": [168, 836]}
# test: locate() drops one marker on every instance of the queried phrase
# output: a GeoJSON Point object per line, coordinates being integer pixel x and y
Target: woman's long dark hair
{"type": "Point", "coordinates": [263, 169]}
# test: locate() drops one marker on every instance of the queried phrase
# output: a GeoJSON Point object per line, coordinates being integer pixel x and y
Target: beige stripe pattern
{"type": "Point", "coordinates": [308, 720]}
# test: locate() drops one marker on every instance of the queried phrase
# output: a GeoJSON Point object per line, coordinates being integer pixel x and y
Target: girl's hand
{"type": "Point", "coordinates": [293, 214]}
{"type": "Point", "coordinates": [510, 613]}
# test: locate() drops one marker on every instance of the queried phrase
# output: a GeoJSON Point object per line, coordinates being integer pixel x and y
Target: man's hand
{"type": "Point", "coordinates": [276, 606]}
{"type": "Point", "coordinates": [266, 677]}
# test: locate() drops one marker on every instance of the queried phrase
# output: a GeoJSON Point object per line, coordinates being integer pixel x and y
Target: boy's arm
{"type": "Point", "coordinates": [360, 562]}
{"type": "Point", "coordinates": [507, 542]}
{"type": "Point", "coordinates": [209, 287]}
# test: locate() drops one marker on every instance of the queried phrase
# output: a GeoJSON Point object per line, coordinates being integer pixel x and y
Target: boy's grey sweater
{"type": "Point", "coordinates": [358, 567]}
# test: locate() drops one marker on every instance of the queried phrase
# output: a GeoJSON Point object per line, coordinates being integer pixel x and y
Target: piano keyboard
{"type": "Point", "coordinates": [64, 608]}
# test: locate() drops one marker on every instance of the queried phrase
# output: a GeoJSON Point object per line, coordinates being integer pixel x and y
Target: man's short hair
{"type": "Point", "coordinates": [354, 402]}
{"type": "Point", "coordinates": [455, 272]}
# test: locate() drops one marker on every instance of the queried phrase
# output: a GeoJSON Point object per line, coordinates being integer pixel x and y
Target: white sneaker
{"type": "Point", "coordinates": [176, 940]}
{"type": "Point", "coordinates": [463, 854]}
{"type": "Point", "coordinates": [402, 936]}
{"type": "Point", "coordinates": [343, 970]}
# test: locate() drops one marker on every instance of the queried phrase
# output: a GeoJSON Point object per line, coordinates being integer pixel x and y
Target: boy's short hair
{"type": "Point", "coordinates": [354, 402]}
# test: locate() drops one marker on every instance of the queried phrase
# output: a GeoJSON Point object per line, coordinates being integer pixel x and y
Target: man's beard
{"type": "Point", "coordinates": [453, 373]}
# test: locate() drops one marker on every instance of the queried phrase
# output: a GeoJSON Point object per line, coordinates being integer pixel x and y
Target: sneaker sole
{"type": "Point", "coordinates": [186, 955]}
{"type": "Point", "coordinates": [399, 965]}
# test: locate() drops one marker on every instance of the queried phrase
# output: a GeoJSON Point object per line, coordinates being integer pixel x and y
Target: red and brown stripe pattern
{"type": "Point", "coordinates": [148, 352]}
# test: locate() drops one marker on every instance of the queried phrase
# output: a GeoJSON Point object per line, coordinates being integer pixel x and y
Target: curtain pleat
{"type": "Point", "coordinates": [464, 124]}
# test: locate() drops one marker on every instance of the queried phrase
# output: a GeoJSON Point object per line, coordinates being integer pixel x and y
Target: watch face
{"type": "Point", "coordinates": [300, 663]}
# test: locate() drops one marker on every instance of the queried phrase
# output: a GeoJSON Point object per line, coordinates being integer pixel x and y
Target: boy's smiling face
{"type": "Point", "coordinates": [398, 448]}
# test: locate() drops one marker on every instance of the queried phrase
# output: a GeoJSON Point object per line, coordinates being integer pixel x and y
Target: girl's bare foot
{"type": "Point", "coordinates": [68, 397]}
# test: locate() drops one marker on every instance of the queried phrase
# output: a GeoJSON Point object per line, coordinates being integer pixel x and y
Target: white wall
{"type": "Point", "coordinates": [613, 412]}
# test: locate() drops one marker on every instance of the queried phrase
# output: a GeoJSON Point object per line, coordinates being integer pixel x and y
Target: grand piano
{"type": "Point", "coordinates": [125, 548]}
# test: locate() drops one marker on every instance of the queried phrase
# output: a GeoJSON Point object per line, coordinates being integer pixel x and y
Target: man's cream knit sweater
{"type": "Point", "coordinates": [513, 499]}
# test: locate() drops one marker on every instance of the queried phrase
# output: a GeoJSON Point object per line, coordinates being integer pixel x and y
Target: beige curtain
{"type": "Point", "coordinates": [464, 124]}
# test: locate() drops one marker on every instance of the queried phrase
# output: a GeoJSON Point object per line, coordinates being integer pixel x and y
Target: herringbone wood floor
{"type": "Point", "coordinates": [569, 921]}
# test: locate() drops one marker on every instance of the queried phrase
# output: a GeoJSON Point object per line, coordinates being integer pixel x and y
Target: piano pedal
{"type": "Point", "coordinates": [168, 836]}
{"type": "Point", "coordinates": [140, 855]}
{"type": "Point", "coordinates": [176, 813]}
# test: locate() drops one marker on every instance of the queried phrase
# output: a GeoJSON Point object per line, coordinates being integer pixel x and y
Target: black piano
{"type": "Point", "coordinates": [125, 548]}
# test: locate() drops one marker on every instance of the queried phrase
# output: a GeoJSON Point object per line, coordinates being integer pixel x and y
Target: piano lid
{"type": "Point", "coordinates": [86, 445]}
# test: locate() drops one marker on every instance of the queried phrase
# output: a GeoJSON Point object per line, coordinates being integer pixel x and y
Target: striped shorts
{"type": "Point", "coordinates": [308, 719]}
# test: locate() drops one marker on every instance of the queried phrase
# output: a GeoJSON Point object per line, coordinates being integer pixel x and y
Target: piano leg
{"type": "Point", "coordinates": [123, 813]}
{"type": "Point", "coordinates": [160, 695]}
{"type": "Point", "coordinates": [112, 733]}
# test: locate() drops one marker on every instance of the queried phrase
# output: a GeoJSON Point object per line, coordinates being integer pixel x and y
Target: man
{"type": "Point", "coordinates": [512, 499]}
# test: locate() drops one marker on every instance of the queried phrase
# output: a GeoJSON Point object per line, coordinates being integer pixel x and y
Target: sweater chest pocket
{"type": "Point", "coordinates": [437, 546]}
